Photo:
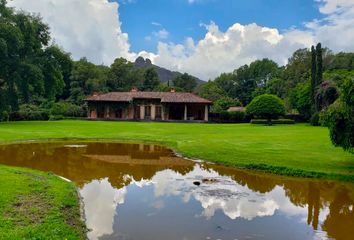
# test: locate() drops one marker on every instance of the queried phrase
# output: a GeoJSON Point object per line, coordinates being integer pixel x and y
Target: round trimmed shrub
{"type": "Point", "coordinates": [266, 106]}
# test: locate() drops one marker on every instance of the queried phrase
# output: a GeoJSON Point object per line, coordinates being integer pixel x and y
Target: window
{"type": "Point", "coordinates": [158, 112]}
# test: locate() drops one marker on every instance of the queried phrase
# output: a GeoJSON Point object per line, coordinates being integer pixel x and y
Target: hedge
{"type": "Point", "coordinates": [276, 121]}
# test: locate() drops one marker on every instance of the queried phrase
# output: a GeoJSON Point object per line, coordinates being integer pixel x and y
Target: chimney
{"type": "Point", "coordinates": [134, 89]}
{"type": "Point", "coordinates": [173, 90]}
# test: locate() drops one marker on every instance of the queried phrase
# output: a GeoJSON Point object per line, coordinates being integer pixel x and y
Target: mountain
{"type": "Point", "coordinates": [163, 73]}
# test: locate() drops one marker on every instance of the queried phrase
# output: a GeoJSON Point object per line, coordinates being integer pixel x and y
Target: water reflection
{"type": "Point", "coordinates": [137, 191]}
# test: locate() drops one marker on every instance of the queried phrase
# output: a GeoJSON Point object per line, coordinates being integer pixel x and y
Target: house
{"type": "Point", "coordinates": [159, 106]}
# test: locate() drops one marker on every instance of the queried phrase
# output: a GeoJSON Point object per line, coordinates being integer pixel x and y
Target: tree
{"type": "Point", "coordinates": [123, 76]}
{"type": "Point", "coordinates": [313, 74]}
{"type": "Point", "coordinates": [326, 94]}
{"type": "Point", "coordinates": [319, 64]}
{"type": "Point", "coordinates": [211, 91]}
{"type": "Point", "coordinates": [186, 82]}
{"type": "Point", "coordinates": [339, 118]}
{"type": "Point", "coordinates": [224, 103]}
{"type": "Point", "coordinates": [65, 63]}
{"type": "Point", "coordinates": [342, 61]}
{"type": "Point", "coordinates": [151, 79]}
{"type": "Point", "coordinates": [87, 78]}
{"type": "Point", "coordinates": [299, 98]}
{"type": "Point", "coordinates": [297, 69]}
{"type": "Point", "coordinates": [266, 106]}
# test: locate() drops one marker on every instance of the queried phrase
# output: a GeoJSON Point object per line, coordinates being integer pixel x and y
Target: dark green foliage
{"type": "Point", "coordinates": [299, 98]}
{"type": "Point", "coordinates": [315, 119]}
{"type": "Point", "coordinates": [232, 117]}
{"type": "Point", "coordinates": [276, 121]}
{"type": "Point", "coordinates": [326, 94]}
{"type": "Point", "coordinates": [123, 76]}
{"type": "Point", "coordinates": [87, 78]}
{"type": "Point", "coordinates": [298, 68]}
{"type": "Point", "coordinates": [66, 109]}
{"type": "Point", "coordinates": [151, 79]}
{"type": "Point", "coordinates": [29, 68]}
{"type": "Point", "coordinates": [31, 112]}
{"type": "Point", "coordinates": [223, 103]}
{"type": "Point", "coordinates": [342, 61]}
{"type": "Point", "coordinates": [319, 64]}
{"type": "Point", "coordinates": [185, 82]}
{"type": "Point", "coordinates": [211, 91]}
{"type": "Point", "coordinates": [313, 74]}
{"type": "Point", "coordinates": [266, 106]}
{"type": "Point", "coordinates": [339, 118]}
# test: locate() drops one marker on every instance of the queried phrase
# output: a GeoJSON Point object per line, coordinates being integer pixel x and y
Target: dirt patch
{"type": "Point", "coordinates": [29, 209]}
{"type": "Point", "coordinates": [73, 218]}
{"type": "Point", "coordinates": [31, 175]}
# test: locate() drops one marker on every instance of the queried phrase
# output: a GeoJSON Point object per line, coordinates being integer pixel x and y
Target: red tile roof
{"type": "Point", "coordinates": [165, 97]}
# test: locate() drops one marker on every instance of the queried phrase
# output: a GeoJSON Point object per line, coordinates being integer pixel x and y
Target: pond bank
{"type": "Point", "coordinates": [296, 150]}
{"type": "Point", "coordinates": [38, 205]}
{"type": "Point", "coordinates": [116, 179]}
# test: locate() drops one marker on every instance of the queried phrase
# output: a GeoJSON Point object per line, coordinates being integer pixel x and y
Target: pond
{"type": "Point", "coordinates": [140, 191]}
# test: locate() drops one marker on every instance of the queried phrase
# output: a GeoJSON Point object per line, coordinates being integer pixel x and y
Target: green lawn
{"type": "Point", "coordinates": [300, 149]}
{"type": "Point", "coordinates": [36, 205]}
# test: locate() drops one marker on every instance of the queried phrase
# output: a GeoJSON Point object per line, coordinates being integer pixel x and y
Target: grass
{"type": "Point", "coordinates": [296, 150]}
{"type": "Point", "coordinates": [36, 205]}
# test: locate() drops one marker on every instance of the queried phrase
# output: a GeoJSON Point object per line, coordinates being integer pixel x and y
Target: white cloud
{"type": "Point", "coordinates": [161, 34]}
{"type": "Point", "coordinates": [330, 6]}
{"type": "Point", "coordinates": [88, 28]}
{"type": "Point", "coordinates": [101, 201]}
{"type": "Point", "coordinates": [224, 51]}
{"type": "Point", "coordinates": [92, 28]}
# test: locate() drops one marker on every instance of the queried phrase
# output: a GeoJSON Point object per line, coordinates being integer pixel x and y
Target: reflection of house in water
{"type": "Point", "coordinates": [87, 161]}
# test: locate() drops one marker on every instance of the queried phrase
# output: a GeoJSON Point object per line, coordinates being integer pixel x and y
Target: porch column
{"type": "Point", "coordinates": [93, 113]}
{"type": "Point", "coordinates": [142, 112]}
{"type": "Point", "coordinates": [153, 112]}
{"type": "Point", "coordinates": [163, 113]}
{"type": "Point", "coordinates": [107, 112]}
{"type": "Point", "coordinates": [185, 112]}
{"type": "Point", "coordinates": [206, 113]}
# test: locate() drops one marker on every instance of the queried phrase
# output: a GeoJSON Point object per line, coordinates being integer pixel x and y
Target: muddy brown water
{"type": "Point", "coordinates": [139, 191]}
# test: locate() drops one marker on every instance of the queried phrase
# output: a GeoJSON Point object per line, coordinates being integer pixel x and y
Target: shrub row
{"type": "Point", "coordinates": [229, 117]}
{"type": "Point", "coordinates": [276, 121]}
{"type": "Point", "coordinates": [53, 111]}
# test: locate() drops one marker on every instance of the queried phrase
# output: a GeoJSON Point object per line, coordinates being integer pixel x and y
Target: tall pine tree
{"type": "Point", "coordinates": [319, 67]}
{"type": "Point", "coordinates": [319, 71]}
{"type": "Point", "coordinates": [313, 74]}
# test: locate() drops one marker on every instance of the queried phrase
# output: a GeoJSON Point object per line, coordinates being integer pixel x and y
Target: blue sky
{"type": "Point", "coordinates": [143, 19]}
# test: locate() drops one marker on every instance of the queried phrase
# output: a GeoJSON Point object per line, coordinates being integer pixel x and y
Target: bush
{"type": "Point", "coordinates": [66, 109]}
{"type": "Point", "coordinates": [339, 118]}
{"type": "Point", "coordinates": [224, 103]}
{"type": "Point", "coordinates": [277, 121]}
{"type": "Point", "coordinates": [237, 116]}
{"type": "Point", "coordinates": [266, 106]}
{"type": "Point", "coordinates": [315, 119]}
{"type": "Point", "coordinates": [4, 116]}
{"type": "Point", "coordinates": [30, 112]}
{"type": "Point", "coordinates": [56, 117]}
{"type": "Point", "coordinates": [232, 117]}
